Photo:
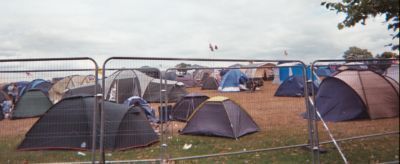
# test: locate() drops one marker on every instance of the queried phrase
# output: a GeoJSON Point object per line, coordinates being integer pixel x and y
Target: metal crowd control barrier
{"type": "Point", "coordinates": [122, 135]}
{"type": "Point", "coordinates": [33, 85]}
{"type": "Point", "coordinates": [170, 144]}
{"type": "Point", "coordinates": [361, 113]}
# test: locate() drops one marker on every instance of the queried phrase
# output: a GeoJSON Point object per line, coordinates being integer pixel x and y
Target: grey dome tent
{"type": "Point", "coordinates": [186, 106]}
{"type": "Point", "coordinates": [68, 125]}
{"type": "Point", "coordinates": [293, 87]}
{"type": "Point", "coordinates": [33, 103]}
{"type": "Point", "coordinates": [220, 116]}
{"type": "Point", "coordinates": [354, 94]}
{"type": "Point", "coordinates": [123, 84]}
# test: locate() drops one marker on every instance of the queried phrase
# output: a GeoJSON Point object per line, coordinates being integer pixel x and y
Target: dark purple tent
{"type": "Point", "coordinates": [220, 116]}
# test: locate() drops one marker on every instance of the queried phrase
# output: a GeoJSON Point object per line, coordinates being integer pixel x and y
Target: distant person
{"type": "Point", "coordinates": [13, 91]}
{"type": "Point", "coordinates": [7, 106]}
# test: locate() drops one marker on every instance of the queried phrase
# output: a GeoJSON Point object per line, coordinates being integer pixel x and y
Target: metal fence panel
{"type": "Point", "coordinates": [282, 127]}
{"type": "Point", "coordinates": [39, 83]}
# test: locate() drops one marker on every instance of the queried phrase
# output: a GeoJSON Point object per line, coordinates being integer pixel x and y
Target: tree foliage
{"type": "Point", "coordinates": [381, 66]}
{"type": "Point", "coordinates": [354, 53]}
{"type": "Point", "coordinates": [182, 67]}
{"type": "Point", "coordinates": [387, 55]}
{"type": "Point", "coordinates": [360, 10]}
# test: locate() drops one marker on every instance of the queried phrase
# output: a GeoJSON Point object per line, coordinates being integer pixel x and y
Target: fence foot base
{"type": "Point", "coordinates": [321, 149]}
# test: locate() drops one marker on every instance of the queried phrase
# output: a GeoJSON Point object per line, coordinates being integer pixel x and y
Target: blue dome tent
{"type": "Point", "coordinates": [232, 80]}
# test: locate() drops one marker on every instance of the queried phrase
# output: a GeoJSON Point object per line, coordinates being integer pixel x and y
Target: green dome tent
{"type": "Point", "coordinates": [67, 125]}
{"type": "Point", "coordinates": [33, 103]}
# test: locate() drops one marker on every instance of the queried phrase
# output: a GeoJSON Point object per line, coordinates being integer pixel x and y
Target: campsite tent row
{"type": "Point", "coordinates": [127, 127]}
{"type": "Point", "coordinates": [119, 86]}
{"type": "Point", "coordinates": [37, 95]}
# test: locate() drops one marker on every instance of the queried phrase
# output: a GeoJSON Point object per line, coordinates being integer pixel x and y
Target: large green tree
{"type": "Point", "coordinates": [359, 10]}
{"type": "Point", "coordinates": [354, 53]}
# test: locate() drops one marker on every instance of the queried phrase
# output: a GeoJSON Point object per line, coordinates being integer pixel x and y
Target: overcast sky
{"type": "Point", "coordinates": [259, 29]}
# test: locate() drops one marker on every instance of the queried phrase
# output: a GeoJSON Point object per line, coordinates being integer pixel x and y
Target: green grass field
{"type": "Point", "coordinates": [371, 150]}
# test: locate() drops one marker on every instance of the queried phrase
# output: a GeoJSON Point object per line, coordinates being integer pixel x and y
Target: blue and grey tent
{"type": "Point", "coordinates": [232, 80]}
{"type": "Point", "coordinates": [20, 86]}
{"type": "Point", "coordinates": [293, 87]}
{"type": "Point", "coordinates": [142, 104]}
{"type": "Point", "coordinates": [355, 94]}
{"type": "Point", "coordinates": [40, 84]}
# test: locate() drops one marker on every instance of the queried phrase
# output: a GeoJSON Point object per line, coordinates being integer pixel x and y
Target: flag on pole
{"type": "Point", "coordinates": [211, 47]}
